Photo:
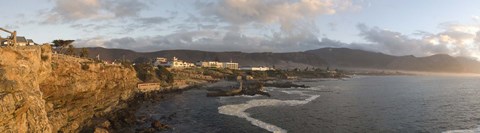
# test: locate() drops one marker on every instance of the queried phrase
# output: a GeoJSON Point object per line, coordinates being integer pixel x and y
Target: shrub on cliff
{"type": "Point", "coordinates": [70, 50]}
{"type": "Point", "coordinates": [60, 45]}
{"type": "Point", "coordinates": [84, 53]}
{"type": "Point", "coordinates": [164, 75]}
{"type": "Point", "coordinates": [145, 72]}
{"type": "Point", "coordinates": [85, 66]}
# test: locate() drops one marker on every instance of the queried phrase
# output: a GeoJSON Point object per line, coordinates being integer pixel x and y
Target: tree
{"type": "Point", "coordinates": [62, 44]}
{"type": "Point", "coordinates": [165, 75]}
{"type": "Point", "coordinates": [169, 79]}
{"type": "Point", "coordinates": [142, 60]}
{"type": "Point", "coordinates": [145, 72]}
{"type": "Point", "coordinates": [84, 53]}
{"type": "Point", "coordinates": [70, 50]}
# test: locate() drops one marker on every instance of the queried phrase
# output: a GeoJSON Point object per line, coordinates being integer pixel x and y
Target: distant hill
{"type": "Point", "coordinates": [351, 58]}
{"type": "Point", "coordinates": [333, 57]}
{"type": "Point", "coordinates": [279, 60]}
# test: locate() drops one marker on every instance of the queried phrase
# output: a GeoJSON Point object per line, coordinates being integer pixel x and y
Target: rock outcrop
{"type": "Point", "coordinates": [45, 92]}
{"type": "Point", "coordinates": [244, 88]}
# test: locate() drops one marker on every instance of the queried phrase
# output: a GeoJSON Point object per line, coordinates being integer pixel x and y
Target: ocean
{"type": "Point", "coordinates": [359, 104]}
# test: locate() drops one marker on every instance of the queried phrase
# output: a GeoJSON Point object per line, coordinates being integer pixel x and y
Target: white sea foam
{"type": "Point", "coordinates": [239, 110]}
{"type": "Point", "coordinates": [294, 92]}
{"type": "Point", "coordinates": [476, 130]}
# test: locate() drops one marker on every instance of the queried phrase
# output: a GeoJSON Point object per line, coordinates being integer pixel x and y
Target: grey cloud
{"type": "Point", "coordinates": [388, 41]}
{"type": "Point", "coordinates": [207, 26]}
{"type": "Point", "coordinates": [216, 41]}
{"type": "Point", "coordinates": [125, 8]}
{"type": "Point", "coordinates": [332, 26]}
{"type": "Point", "coordinates": [9, 26]}
{"type": "Point", "coordinates": [452, 40]}
{"type": "Point", "coordinates": [289, 14]}
{"type": "Point", "coordinates": [74, 10]}
{"type": "Point", "coordinates": [378, 40]}
{"type": "Point", "coordinates": [153, 20]}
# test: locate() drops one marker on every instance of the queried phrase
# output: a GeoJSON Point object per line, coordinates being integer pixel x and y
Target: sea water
{"type": "Point", "coordinates": [362, 104]}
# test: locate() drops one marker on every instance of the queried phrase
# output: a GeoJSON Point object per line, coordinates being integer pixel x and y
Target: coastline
{"type": "Point", "coordinates": [124, 119]}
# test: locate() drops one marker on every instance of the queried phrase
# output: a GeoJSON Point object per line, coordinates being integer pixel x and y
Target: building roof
{"type": "Point", "coordinates": [21, 39]}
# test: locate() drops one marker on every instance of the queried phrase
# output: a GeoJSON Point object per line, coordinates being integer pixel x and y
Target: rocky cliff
{"type": "Point", "coordinates": [45, 92]}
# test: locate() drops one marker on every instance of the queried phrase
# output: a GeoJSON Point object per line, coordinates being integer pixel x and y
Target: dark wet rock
{"type": "Point", "coordinates": [244, 88]}
{"type": "Point", "coordinates": [285, 85]}
{"type": "Point", "coordinates": [146, 130]}
{"type": "Point", "coordinates": [171, 116]}
{"type": "Point", "coordinates": [141, 119]}
{"type": "Point", "coordinates": [159, 125]}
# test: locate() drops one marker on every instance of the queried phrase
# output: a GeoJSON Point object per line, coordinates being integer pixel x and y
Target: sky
{"type": "Point", "coordinates": [396, 27]}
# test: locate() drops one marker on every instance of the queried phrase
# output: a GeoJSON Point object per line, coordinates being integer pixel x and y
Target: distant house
{"type": "Point", "coordinates": [160, 61]}
{"type": "Point", "coordinates": [21, 41]}
{"type": "Point", "coordinates": [251, 68]}
{"type": "Point", "coordinates": [209, 64]}
{"type": "Point", "coordinates": [31, 42]}
{"type": "Point", "coordinates": [230, 65]}
{"type": "Point", "coordinates": [216, 64]}
{"type": "Point", "coordinates": [174, 63]}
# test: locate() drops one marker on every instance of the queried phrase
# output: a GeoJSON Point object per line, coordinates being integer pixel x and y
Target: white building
{"type": "Point", "coordinates": [160, 61]}
{"type": "Point", "coordinates": [230, 65]}
{"type": "Point", "coordinates": [261, 68]}
{"type": "Point", "coordinates": [215, 64]}
{"type": "Point", "coordinates": [175, 63]}
{"type": "Point", "coordinates": [21, 41]}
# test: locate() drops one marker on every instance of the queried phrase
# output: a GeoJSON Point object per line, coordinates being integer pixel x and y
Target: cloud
{"type": "Point", "coordinates": [454, 39]}
{"type": "Point", "coordinates": [209, 40]}
{"type": "Point", "coordinates": [125, 8]}
{"type": "Point", "coordinates": [153, 20]}
{"type": "Point", "coordinates": [74, 10]}
{"type": "Point", "coordinates": [291, 15]}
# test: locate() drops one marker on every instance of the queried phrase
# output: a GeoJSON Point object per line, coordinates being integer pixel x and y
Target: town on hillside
{"type": "Point", "coordinates": [176, 63]}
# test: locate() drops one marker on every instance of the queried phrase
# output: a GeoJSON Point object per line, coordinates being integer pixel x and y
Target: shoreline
{"type": "Point", "coordinates": [125, 118]}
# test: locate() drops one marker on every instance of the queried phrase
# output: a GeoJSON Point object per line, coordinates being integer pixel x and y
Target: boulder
{"type": "Point", "coordinates": [159, 125]}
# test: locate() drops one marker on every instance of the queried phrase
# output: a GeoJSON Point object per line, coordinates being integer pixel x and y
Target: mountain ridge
{"type": "Point", "coordinates": [317, 58]}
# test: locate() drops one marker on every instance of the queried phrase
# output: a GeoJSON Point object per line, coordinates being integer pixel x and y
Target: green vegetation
{"type": "Point", "coordinates": [163, 74]}
{"type": "Point", "coordinates": [70, 50]}
{"type": "Point", "coordinates": [145, 72]}
{"type": "Point", "coordinates": [54, 65]}
{"type": "Point", "coordinates": [148, 73]}
{"type": "Point", "coordinates": [62, 44]}
{"type": "Point", "coordinates": [84, 53]}
{"type": "Point", "coordinates": [85, 66]}
{"type": "Point", "coordinates": [44, 58]}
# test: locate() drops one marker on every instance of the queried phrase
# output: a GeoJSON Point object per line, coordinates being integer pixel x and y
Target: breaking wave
{"type": "Point", "coordinates": [476, 130]}
{"type": "Point", "coordinates": [239, 109]}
